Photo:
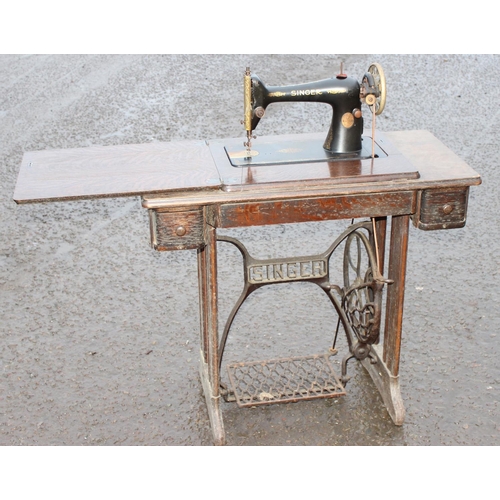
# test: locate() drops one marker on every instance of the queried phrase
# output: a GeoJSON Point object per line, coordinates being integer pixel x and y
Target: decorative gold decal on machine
{"type": "Point", "coordinates": [277, 94]}
{"type": "Point", "coordinates": [242, 154]}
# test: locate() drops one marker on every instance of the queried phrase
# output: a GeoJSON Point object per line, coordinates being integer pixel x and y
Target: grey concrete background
{"type": "Point", "coordinates": [99, 333]}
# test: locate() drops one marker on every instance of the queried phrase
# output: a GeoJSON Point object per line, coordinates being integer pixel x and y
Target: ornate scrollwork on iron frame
{"type": "Point", "coordinates": [358, 302]}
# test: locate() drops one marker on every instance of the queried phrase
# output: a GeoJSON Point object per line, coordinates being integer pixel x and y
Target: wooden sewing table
{"type": "Point", "coordinates": [191, 189]}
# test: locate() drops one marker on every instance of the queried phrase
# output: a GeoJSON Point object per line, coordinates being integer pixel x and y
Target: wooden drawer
{"type": "Point", "coordinates": [441, 208]}
{"type": "Point", "coordinates": [179, 230]}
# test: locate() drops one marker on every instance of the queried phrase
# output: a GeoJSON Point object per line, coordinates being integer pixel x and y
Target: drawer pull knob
{"type": "Point", "coordinates": [180, 231]}
{"type": "Point", "coordinates": [447, 209]}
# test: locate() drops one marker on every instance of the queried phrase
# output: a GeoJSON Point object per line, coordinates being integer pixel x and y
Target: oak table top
{"type": "Point", "coordinates": [186, 172]}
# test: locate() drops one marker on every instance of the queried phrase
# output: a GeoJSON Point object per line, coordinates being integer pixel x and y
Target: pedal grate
{"type": "Point", "coordinates": [284, 380]}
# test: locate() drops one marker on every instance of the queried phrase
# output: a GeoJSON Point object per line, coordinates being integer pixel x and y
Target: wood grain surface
{"type": "Point", "coordinates": [435, 162]}
{"type": "Point", "coordinates": [316, 209]}
{"type": "Point", "coordinates": [190, 169]}
{"type": "Point", "coordinates": [103, 171]}
{"type": "Point", "coordinates": [437, 165]}
{"type": "Point", "coordinates": [394, 166]}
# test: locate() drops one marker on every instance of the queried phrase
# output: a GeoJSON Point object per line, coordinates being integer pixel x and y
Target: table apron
{"type": "Point", "coordinates": [264, 213]}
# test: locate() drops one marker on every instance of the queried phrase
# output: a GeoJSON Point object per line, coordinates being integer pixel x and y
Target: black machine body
{"type": "Point", "coordinates": [344, 94]}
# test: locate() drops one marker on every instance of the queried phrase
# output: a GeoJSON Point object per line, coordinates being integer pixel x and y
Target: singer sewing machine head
{"type": "Point", "coordinates": [344, 94]}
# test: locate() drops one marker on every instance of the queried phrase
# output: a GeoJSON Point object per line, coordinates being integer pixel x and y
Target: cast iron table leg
{"type": "Point", "coordinates": [209, 364]}
{"type": "Point", "coordinates": [385, 372]}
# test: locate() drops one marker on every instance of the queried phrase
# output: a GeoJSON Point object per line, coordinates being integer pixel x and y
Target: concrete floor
{"type": "Point", "coordinates": [99, 333]}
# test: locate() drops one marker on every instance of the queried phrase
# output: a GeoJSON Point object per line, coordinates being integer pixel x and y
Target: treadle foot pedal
{"type": "Point", "coordinates": [283, 380]}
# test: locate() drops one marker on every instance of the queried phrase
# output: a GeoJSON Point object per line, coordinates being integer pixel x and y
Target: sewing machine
{"type": "Point", "coordinates": [358, 302]}
{"type": "Point", "coordinates": [345, 137]}
{"type": "Point", "coordinates": [192, 189]}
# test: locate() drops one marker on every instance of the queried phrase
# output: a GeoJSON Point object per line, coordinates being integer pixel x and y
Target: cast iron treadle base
{"type": "Point", "coordinates": [283, 380]}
